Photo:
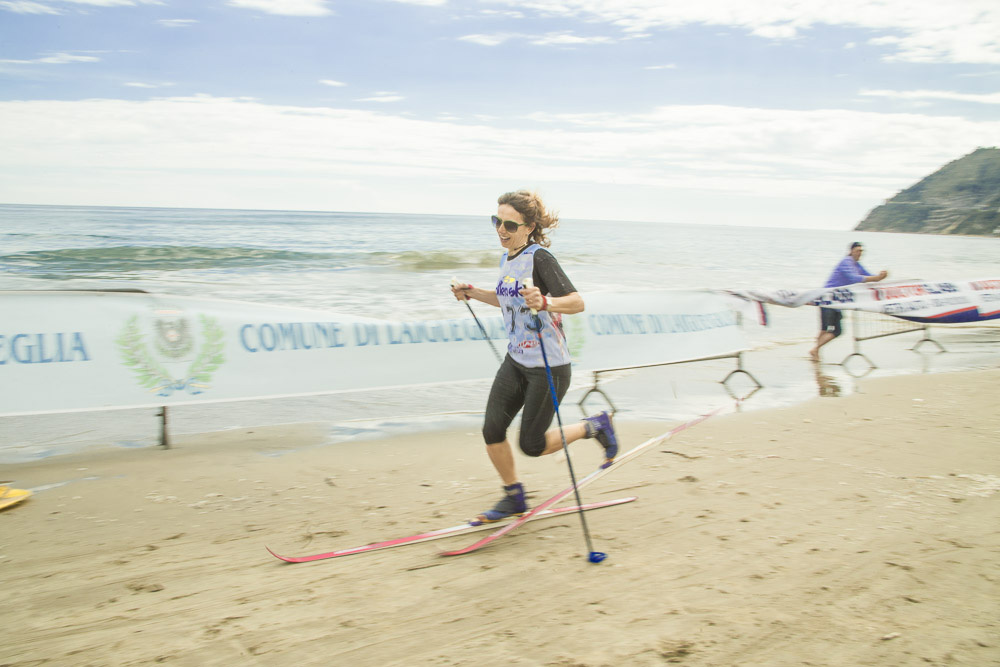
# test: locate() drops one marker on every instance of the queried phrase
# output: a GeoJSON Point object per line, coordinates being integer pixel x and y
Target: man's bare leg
{"type": "Point", "coordinates": [821, 340]}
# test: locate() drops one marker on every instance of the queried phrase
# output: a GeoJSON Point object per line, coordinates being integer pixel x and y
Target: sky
{"type": "Point", "coordinates": [777, 113]}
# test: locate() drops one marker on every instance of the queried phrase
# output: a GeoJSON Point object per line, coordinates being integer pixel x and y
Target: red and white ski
{"type": "Point", "coordinates": [545, 513]}
{"type": "Point", "coordinates": [597, 474]}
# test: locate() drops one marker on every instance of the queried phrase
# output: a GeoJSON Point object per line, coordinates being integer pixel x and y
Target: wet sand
{"type": "Point", "coordinates": [850, 530]}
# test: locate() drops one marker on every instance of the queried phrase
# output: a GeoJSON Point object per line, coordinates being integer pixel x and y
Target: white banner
{"type": "Point", "coordinates": [945, 302]}
{"type": "Point", "coordinates": [67, 351]}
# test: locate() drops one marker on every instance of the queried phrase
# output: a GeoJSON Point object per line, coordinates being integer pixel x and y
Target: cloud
{"type": "Point", "coordinates": [55, 59]}
{"type": "Point", "coordinates": [657, 67]}
{"type": "Point", "coordinates": [285, 7]}
{"type": "Point", "coordinates": [987, 98]}
{"type": "Point", "coordinates": [975, 75]}
{"type": "Point", "coordinates": [30, 7]}
{"type": "Point", "coordinates": [140, 84]}
{"type": "Point", "coordinates": [26, 7]}
{"type": "Point", "coordinates": [289, 156]}
{"type": "Point", "coordinates": [548, 39]}
{"type": "Point", "coordinates": [114, 3]}
{"type": "Point", "coordinates": [67, 58]}
{"type": "Point", "coordinates": [331, 82]}
{"type": "Point", "coordinates": [487, 40]}
{"type": "Point", "coordinates": [382, 96]}
{"type": "Point", "coordinates": [510, 14]}
{"type": "Point", "coordinates": [177, 23]}
{"type": "Point", "coordinates": [425, 3]}
{"type": "Point", "coordinates": [922, 31]}
{"type": "Point", "coordinates": [776, 32]}
{"type": "Point", "coordinates": [567, 39]}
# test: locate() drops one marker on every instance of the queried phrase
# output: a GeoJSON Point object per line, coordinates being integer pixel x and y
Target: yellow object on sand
{"type": "Point", "coordinates": [9, 496]}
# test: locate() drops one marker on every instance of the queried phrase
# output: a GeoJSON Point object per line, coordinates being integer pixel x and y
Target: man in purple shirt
{"type": "Point", "coordinates": [847, 272]}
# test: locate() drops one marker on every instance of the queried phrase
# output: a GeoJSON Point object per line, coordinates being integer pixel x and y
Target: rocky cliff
{"type": "Point", "coordinates": [962, 197]}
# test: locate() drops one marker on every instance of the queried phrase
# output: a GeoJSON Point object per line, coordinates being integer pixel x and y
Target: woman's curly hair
{"type": "Point", "coordinates": [533, 210]}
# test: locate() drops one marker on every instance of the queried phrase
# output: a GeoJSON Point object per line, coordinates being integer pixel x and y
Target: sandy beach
{"type": "Point", "coordinates": [856, 530]}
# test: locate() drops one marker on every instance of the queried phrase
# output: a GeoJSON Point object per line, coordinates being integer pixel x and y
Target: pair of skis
{"type": "Point", "coordinates": [541, 511]}
{"type": "Point", "coordinates": [460, 529]}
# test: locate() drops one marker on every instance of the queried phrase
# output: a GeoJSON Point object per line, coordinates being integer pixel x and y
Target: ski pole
{"type": "Point", "coordinates": [486, 336]}
{"type": "Point", "coordinates": [592, 556]}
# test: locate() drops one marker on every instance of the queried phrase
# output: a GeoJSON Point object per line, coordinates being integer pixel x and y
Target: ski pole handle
{"type": "Point", "coordinates": [455, 282]}
{"type": "Point", "coordinates": [529, 283]}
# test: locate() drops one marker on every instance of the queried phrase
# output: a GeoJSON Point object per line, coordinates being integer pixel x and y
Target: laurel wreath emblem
{"type": "Point", "coordinates": [153, 376]}
{"type": "Point", "coordinates": [576, 335]}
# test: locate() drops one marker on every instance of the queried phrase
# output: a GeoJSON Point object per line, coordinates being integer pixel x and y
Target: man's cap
{"type": "Point", "coordinates": [856, 244]}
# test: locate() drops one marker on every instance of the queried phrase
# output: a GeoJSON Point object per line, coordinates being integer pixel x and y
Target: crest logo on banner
{"type": "Point", "coordinates": [173, 336]}
{"type": "Point", "coordinates": [179, 359]}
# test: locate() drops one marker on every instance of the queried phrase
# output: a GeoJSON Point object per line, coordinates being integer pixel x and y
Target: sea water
{"type": "Point", "coordinates": [397, 266]}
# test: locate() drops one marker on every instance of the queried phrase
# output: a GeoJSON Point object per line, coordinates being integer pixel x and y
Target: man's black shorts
{"type": "Point", "coordinates": [830, 320]}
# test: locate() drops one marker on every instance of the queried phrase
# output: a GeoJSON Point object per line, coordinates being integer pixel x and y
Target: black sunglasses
{"type": "Point", "coordinates": [509, 225]}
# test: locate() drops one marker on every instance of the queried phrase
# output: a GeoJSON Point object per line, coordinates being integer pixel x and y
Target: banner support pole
{"type": "Point", "coordinates": [164, 435]}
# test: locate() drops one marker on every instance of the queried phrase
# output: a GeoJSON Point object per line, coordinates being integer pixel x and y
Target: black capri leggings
{"type": "Point", "coordinates": [516, 386]}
